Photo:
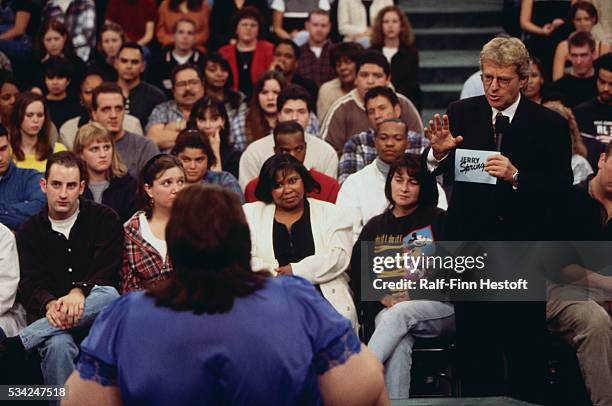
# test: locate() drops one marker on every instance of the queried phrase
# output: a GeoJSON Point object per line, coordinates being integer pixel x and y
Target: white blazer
{"type": "Point", "coordinates": [331, 232]}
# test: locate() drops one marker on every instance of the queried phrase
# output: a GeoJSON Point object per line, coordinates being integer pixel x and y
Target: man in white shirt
{"type": "Point", "coordinates": [293, 105]}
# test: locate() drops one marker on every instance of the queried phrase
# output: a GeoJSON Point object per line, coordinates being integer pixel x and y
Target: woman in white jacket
{"type": "Point", "coordinates": [295, 235]}
{"type": "Point", "coordinates": [355, 20]}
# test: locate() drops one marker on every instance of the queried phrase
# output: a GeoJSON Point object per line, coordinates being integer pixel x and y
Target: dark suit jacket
{"type": "Point", "coordinates": [538, 144]}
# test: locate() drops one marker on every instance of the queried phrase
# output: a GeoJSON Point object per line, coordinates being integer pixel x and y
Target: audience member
{"type": "Point", "coordinates": [393, 36]}
{"type": "Point", "coordinates": [580, 84]}
{"type": "Point", "coordinates": [289, 17]}
{"type": "Point", "coordinates": [9, 91]}
{"type": "Point", "coordinates": [12, 313]}
{"type": "Point", "coordinates": [286, 56]}
{"type": "Point", "coordinates": [224, 11]}
{"type": "Point", "coordinates": [215, 305]}
{"type": "Point", "coordinates": [140, 96]}
{"type": "Point", "coordinates": [347, 116]}
{"type": "Point", "coordinates": [355, 19]}
{"type": "Point", "coordinates": [79, 17]}
{"type": "Point", "coordinates": [30, 132]}
{"type": "Point", "coordinates": [145, 257]}
{"type": "Point", "coordinates": [537, 81]}
{"type": "Point", "coordinates": [260, 118]}
{"type": "Point", "coordinates": [193, 149]}
{"type": "Point", "coordinates": [20, 194]}
{"type": "Point", "coordinates": [171, 11]}
{"type": "Point", "coordinates": [219, 84]}
{"type": "Point", "coordinates": [108, 181]}
{"type": "Point", "coordinates": [594, 116]}
{"type": "Point", "coordinates": [93, 78]}
{"type": "Point", "coordinates": [583, 16]}
{"type": "Point", "coordinates": [181, 51]}
{"type": "Point", "coordinates": [110, 41]}
{"type": "Point", "coordinates": [137, 17]}
{"type": "Point", "coordinates": [57, 76]}
{"type": "Point", "coordinates": [108, 109]}
{"type": "Point", "coordinates": [403, 315]}
{"type": "Point", "coordinates": [314, 61]}
{"type": "Point", "coordinates": [310, 238]}
{"type": "Point", "coordinates": [575, 306]}
{"type": "Point", "coordinates": [534, 178]}
{"type": "Point", "coordinates": [580, 165]}
{"type": "Point", "coordinates": [209, 116]}
{"type": "Point", "coordinates": [289, 139]}
{"type": "Point", "coordinates": [249, 57]}
{"type": "Point", "coordinates": [360, 150]}
{"type": "Point", "coordinates": [362, 193]}
{"type": "Point", "coordinates": [69, 257]}
{"type": "Point", "coordinates": [54, 41]}
{"type": "Point", "coordinates": [293, 104]}
{"type": "Point", "coordinates": [17, 29]}
{"type": "Point", "coordinates": [343, 57]}
{"type": "Point", "coordinates": [170, 117]}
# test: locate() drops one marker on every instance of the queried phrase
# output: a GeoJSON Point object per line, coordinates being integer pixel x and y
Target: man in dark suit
{"type": "Point", "coordinates": [533, 176]}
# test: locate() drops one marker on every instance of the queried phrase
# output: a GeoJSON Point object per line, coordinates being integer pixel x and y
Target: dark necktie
{"type": "Point", "coordinates": [501, 127]}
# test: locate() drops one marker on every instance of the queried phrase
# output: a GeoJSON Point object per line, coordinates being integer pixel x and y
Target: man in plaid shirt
{"type": "Point", "coordinates": [314, 62]}
{"type": "Point", "coordinates": [79, 17]}
{"type": "Point", "coordinates": [381, 104]}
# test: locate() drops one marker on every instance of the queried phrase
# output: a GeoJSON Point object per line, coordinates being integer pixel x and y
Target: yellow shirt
{"type": "Point", "coordinates": [31, 162]}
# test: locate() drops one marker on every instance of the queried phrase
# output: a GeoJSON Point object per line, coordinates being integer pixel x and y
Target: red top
{"type": "Point", "coordinates": [329, 188]}
{"type": "Point", "coordinates": [133, 17]}
{"type": "Point", "coordinates": [262, 59]}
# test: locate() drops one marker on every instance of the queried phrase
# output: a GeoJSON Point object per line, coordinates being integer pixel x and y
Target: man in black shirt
{"type": "Point", "coordinates": [140, 97]}
{"type": "Point", "coordinates": [69, 254]}
{"type": "Point", "coordinates": [579, 85]}
{"type": "Point", "coordinates": [594, 117]}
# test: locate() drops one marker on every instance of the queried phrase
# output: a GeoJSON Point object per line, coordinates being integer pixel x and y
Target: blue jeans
{"type": "Point", "coordinates": [396, 328]}
{"type": "Point", "coordinates": [57, 347]}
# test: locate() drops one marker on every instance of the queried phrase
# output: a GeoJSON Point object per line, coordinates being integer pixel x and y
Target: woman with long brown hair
{"type": "Point", "coordinates": [260, 118]}
{"type": "Point", "coordinates": [392, 35]}
{"type": "Point", "coordinates": [30, 132]}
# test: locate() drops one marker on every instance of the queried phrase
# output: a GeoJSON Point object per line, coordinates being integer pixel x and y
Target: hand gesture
{"type": "Point", "coordinates": [440, 137]}
{"type": "Point", "coordinates": [500, 167]}
{"type": "Point", "coordinates": [54, 316]}
{"type": "Point", "coordinates": [72, 306]}
{"type": "Point", "coordinates": [548, 29]}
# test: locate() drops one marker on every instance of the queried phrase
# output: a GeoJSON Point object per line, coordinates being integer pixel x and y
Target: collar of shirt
{"type": "Point", "coordinates": [509, 112]}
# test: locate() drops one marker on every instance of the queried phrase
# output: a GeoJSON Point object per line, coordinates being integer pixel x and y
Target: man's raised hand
{"type": "Point", "coordinates": [440, 137]}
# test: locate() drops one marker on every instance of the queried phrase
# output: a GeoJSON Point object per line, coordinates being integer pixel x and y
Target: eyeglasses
{"type": "Point", "coordinates": [501, 81]}
{"type": "Point", "coordinates": [185, 83]}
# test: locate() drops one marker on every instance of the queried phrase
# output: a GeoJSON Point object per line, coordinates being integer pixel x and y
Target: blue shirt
{"type": "Point", "coordinates": [269, 349]}
{"type": "Point", "coordinates": [225, 180]}
{"type": "Point", "coordinates": [20, 195]}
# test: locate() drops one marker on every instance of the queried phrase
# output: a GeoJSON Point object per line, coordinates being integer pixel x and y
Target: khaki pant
{"type": "Point", "coordinates": [587, 327]}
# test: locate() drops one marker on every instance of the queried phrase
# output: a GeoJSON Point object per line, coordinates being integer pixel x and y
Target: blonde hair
{"type": "Point", "coordinates": [92, 132]}
{"type": "Point", "coordinates": [505, 52]}
{"type": "Point", "coordinates": [406, 33]}
{"type": "Point", "coordinates": [578, 147]}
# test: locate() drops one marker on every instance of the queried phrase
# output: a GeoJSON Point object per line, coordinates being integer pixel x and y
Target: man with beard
{"type": "Point", "coordinates": [170, 117]}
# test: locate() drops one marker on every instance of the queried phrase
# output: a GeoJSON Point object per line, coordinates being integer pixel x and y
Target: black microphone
{"type": "Point", "coordinates": [502, 123]}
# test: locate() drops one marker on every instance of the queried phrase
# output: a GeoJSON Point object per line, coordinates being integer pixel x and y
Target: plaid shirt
{"type": "Point", "coordinates": [80, 21]}
{"type": "Point", "coordinates": [238, 129]}
{"type": "Point", "coordinates": [142, 265]}
{"type": "Point", "coordinates": [316, 69]}
{"type": "Point", "coordinates": [359, 151]}
{"type": "Point", "coordinates": [164, 113]}
{"type": "Point", "coordinates": [225, 180]}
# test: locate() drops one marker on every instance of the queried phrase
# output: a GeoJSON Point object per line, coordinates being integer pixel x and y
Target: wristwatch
{"type": "Point", "coordinates": [515, 179]}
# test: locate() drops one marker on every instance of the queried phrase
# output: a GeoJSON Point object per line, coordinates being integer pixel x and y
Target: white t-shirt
{"type": "Point", "coordinates": [317, 51]}
{"type": "Point", "coordinates": [389, 53]}
{"type": "Point", "coordinates": [181, 59]}
{"type": "Point", "coordinates": [64, 226]}
{"type": "Point", "coordinates": [147, 235]}
{"type": "Point", "coordinates": [279, 5]}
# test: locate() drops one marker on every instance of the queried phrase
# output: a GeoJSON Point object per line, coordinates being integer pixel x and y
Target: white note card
{"type": "Point", "coordinates": [470, 164]}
